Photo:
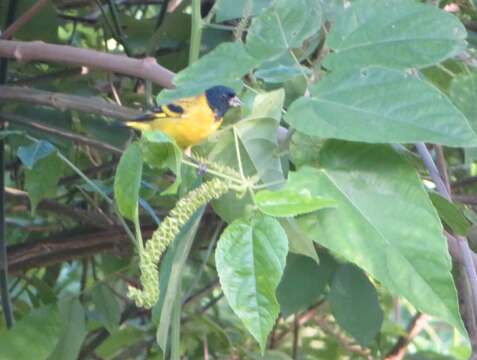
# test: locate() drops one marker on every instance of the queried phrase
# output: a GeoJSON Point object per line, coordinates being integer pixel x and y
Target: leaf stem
{"type": "Point", "coordinates": [196, 32]}
{"type": "Point", "coordinates": [137, 228]}
{"type": "Point", "coordinates": [212, 172]}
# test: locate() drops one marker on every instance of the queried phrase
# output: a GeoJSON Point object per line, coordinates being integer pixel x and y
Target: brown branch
{"type": "Point", "coordinates": [465, 199]}
{"type": "Point", "coordinates": [25, 18]}
{"type": "Point", "coordinates": [66, 247]}
{"type": "Point", "coordinates": [146, 68]}
{"type": "Point", "coordinates": [416, 325]}
{"type": "Point", "coordinates": [78, 139]}
{"type": "Point", "coordinates": [63, 102]}
{"type": "Point", "coordinates": [296, 337]}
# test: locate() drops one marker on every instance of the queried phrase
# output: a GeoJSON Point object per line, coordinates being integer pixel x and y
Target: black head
{"type": "Point", "coordinates": [220, 99]}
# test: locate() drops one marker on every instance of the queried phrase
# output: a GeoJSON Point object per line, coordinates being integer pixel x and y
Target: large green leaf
{"type": "Point", "coordinates": [250, 259]}
{"type": "Point", "coordinates": [396, 106]}
{"type": "Point", "coordinates": [42, 180]}
{"type": "Point", "coordinates": [384, 222]}
{"type": "Point", "coordinates": [354, 304]}
{"type": "Point", "coordinates": [281, 69]}
{"type": "Point", "coordinates": [233, 9]}
{"type": "Point", "coordinates": [33, 337]}
{"type": "Point", "coordinates": [394, 33]}
{"type": "Point", "coordinates": [29, 155]}
{"type": "Point", "coordinates": [73, 329]}
{"type": "Point", "coordinates": [229, 61]}
{"type": "Point", "coordinates": [127, 181]}
{"type": "Point", "coordinates": [463, 92]}
{"type": "Point", "coordinates": [283, 26]}
{"type": "Point", "coordinates": [303, 282]}
{"type": "Point", "coordinates": [107, 307]}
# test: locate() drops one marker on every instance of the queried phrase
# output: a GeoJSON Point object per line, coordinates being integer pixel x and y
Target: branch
{"type": "Point", "coordinates": [413, 329]}
{"type": "Point", "coordinates": [146, 68]}
{"type": "Point", "coordinates": [66, 247]}
{"type": "Point", "coordinates": [63, 102]}
{"type": "Point", "coordinates": [78, 139]}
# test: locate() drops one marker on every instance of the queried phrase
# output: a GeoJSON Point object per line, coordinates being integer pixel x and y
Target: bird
{"type": "Point", "coordinates": [189, 121]}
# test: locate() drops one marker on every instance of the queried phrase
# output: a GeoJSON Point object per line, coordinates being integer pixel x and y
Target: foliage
{"type": "Point", "coordinates": [306, 227]}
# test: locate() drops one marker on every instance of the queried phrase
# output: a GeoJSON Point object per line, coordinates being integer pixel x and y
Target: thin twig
{"type": "Point", "coordinates": [92, 105]}
{"type": "Point", "coordinates": [24, 19]}
{"type": "Point", "coordinates": [78, 139]}
{"type": "Point", "coordinates": [416, 325]}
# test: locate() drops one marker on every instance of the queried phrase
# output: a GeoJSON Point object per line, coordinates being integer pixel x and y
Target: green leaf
{"type": "Point", "coordinates": [451, 214]}
{"type": "Point", "coordinates": [281, 69]}
{"type": "Point", "coordinates": [196, 78]}
{"type": "Point", "coordinates": [73, 329]}
{"type": "Point", "coordinates": [267, 105]}
{"type": "Point", "coordinates": [384, 222]}
{"type": "Point", "coordinates": [172, 270]}
{"type": "Point", "coordinates": [398, 107]}
{"type": "Point", "coordinates": [298, 241]}
{"type": "Point", "coordinates": [250, 259]}
{"type": "Point", "coordinates": [305, 149]}
{"type": "Point", "coordinates": [107, 307]}
{"type": "Point", "coordinates": [160, 151]}
{"type": "Point", "coordinates": [229, 207]}
{"type": "Point", "coordinates": [354, 304]}
{"type": "Point", "coordinates": [285, 203]}
{"type": "Point", "coordinates": [127, 181]}
{"type": "Point", "coordinates": [259, 138]}
{"type": "Point", "coordinates": [43, 26]}
{"type": "Point", "coordinates": [283, 26]}
{"type": "Point", "coordinates": [42, 180]}
{"type": "Point", "coordinates": [462, 92]}
{"type": "Point", "coordinates": [33, 337]}
{"type": "Point", "coordinates": [29, 155]}
{"type": "Point", "coordinates": [234, 9]}
{"type": "Point", "coordinates": [393, 33]}
{"type": "Point", "coordinates": [303, 282]}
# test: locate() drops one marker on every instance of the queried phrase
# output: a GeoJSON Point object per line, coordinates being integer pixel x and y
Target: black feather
{"type": "Point", "coordinates": [218, 98]}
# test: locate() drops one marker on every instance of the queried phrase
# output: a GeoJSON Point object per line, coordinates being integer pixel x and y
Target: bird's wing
{"type": "Point", "coordinates": [173, 110]}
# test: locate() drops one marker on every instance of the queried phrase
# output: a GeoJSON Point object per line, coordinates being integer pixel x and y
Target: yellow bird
{"type": "Point", "coordinates": [190, 120]}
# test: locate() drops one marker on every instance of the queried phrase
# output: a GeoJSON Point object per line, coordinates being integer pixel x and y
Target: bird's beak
{"type": "Point", "coordinates": [235, 102]}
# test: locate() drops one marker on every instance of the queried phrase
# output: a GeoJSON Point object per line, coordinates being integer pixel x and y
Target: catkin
{"type": "Point", "coordinates": [165, 234]}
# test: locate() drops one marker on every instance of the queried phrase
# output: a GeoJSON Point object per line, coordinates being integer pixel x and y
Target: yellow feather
{"type": "Point", "coordinates": [191, 127]}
